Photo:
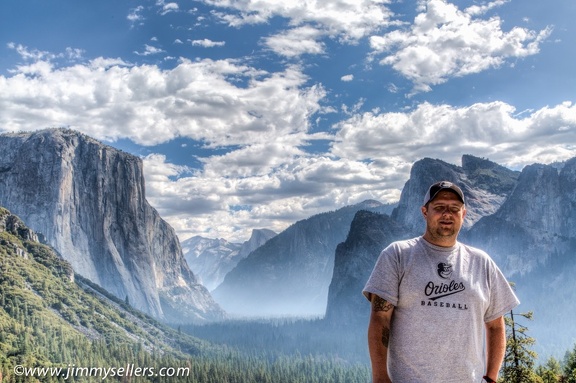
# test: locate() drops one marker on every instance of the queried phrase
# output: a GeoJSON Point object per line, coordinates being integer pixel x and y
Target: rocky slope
{"type": "Point", "coordinates": [42, 299]}
{"type": "Point", "coordinates": [537, 217]}
{"type": "Point", "coordinates": [88, 200]}
{"type": "Point", "coordinates": [533, 239]}
{"type": "Point", "coordinates": [211, 259]}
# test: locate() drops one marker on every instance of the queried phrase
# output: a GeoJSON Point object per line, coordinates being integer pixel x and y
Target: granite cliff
{"type": "Point", "coordinates": [533, 239]}
{"type": "Point", "coordinates": [88, 201]}
{"type": "Point", "coordinates": [485, 184]}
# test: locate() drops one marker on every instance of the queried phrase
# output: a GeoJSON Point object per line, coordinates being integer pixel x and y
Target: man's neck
{"type": "Point", "coordinates": [440, 241]}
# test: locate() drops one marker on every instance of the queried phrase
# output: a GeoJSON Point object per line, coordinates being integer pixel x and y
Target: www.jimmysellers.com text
{"type": "Point", "coordinates": [72, 371]}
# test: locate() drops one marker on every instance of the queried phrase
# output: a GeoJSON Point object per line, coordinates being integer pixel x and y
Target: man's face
{"type": "Point", "coordinates": [444, 218]}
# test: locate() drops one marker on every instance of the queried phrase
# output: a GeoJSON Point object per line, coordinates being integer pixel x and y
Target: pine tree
{"type": "Point", "coordinates": [570, 366]}
{"type": "Point", "coordinates": [551, 372]}
{"type": "Point", "coordinates": [519, 358]}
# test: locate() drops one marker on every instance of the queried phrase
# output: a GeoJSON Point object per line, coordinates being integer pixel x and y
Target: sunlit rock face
{"type": "Point", "coordinates": [485, 184]}
{"type": "Point", "coordinates": [536, 224]}
{"type": "Point", "coordinates": [88, 200]}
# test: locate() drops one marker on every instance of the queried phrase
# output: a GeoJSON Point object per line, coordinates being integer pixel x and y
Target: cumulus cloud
{"type": "Point", "coordinates": [264, 177]}
{"type": "Point", "coordinates": [484, 129]}
{"type": "Point", "coordinates": [445, 42]}
{"type": "Point", "coordinates": [442, 42]}
{"type": "Point", "coordinates": [167, 7]}
{"type": "Point", "coordinates": [228, 207]}
{"type": "Point", "coordinates": [346, 20]}
{"type": "Point", "coordinates": [296, 42]}
{"type": "Point", "coordinates": [220, 102]}
{"type": "Point", "coordinates": [135, 15]}
{"type": "Point", "coordinates": [371, 157]}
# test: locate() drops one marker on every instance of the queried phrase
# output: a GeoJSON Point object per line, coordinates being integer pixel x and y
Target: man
{"type": "Point", "coordinates": [433, 298]}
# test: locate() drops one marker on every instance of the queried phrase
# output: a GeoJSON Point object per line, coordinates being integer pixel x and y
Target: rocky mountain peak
{"type": "Point", "coordinates": [485, 184]}
{"type": "Point", "coordinates": [88, 200]}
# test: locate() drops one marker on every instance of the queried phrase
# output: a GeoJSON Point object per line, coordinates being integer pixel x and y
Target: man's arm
{"type": "Point", "coordinates": [496, 346]}
{"type": "Point", "coordinates": [378, 337]}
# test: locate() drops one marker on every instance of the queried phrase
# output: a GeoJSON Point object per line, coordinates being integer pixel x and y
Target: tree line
{"type": "Point", "coordinates": [51, 318]}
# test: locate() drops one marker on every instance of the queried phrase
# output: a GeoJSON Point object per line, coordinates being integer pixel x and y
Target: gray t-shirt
{"type": "Point", "coordinates": [442, 298]}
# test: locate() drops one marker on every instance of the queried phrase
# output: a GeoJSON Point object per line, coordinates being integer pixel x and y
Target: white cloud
{"type": "Point", "coordinates": [206, 43]}
{"type": "Point", "coordinates": [445, 42]}
{"type": "Point", "coordinates": [167, 7]}
{"type": "Point", "coordinates": [475, 10]}
{"type": "Point", "coordinates": [296, 42]}
{"type": "Point", "coordinates": [484, 129]}
{"type": "Point", "coordinates": [149, 50]}
{"type": "Point", "coordinates": [218, 102]}
{"type": "Point", "coordinates": [347, 78]}
{"type": "Point", "coordinates": [299, 187]}
{"type": "Point", "coordinates": [135, 15]}
{"type": "Point", "coordinates": [349, 20]}
{"type": "Point", "coordinates": [34, 55]}
{"type": "Point", "coordinates": [265, 178]}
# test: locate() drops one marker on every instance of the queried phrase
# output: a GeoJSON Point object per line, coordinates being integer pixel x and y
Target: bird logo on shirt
{"type": "Point", "coordinates": [444, 270]}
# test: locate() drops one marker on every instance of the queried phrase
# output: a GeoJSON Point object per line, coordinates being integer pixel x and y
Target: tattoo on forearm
{"type": "Point", "coordinates": [385, 336]}
{"type": "Point", "coordinates": [380, 304]}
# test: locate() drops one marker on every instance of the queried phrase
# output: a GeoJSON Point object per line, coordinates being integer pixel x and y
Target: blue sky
{"type": "Point", "coordinates": [257, 113]}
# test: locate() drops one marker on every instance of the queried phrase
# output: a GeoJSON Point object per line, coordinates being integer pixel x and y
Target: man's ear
{"type": "Point", "coordinates": [424, 211]}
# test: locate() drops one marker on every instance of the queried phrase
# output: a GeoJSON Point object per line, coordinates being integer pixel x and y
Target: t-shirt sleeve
{"type": "Point", "coordinates": [385, 276]}
{"type": "Point", "coordinates": [502, 297]}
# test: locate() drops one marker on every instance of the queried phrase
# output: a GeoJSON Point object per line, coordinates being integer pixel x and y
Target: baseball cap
{"type": "Point", "coordinates": [442, 185]}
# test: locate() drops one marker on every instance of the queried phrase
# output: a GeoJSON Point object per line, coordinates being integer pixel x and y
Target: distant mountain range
{"type": "Point", "coordinates": [290, 274]}
{"type": "Point", "coordinates": [211, 259]}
